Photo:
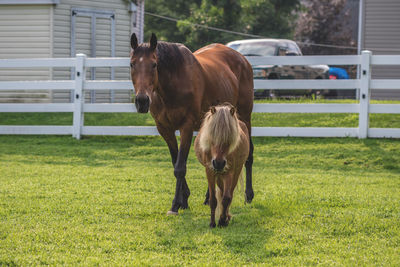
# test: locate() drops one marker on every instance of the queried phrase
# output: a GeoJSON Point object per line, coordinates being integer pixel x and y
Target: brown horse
{"type": "Point", "coordinates": [179, 86]}
{"type": "Point", "coordinates": [222, 147]}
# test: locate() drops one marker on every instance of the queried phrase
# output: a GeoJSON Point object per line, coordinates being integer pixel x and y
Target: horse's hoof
{"type": "Point", "coordinates": [249, 197]}
{"type": "Point", "coordinates": [212, 225]}
{"type": "Point", "coordinates": [170, 212]}
{"type": "Point", "coordinates": [184, 205]}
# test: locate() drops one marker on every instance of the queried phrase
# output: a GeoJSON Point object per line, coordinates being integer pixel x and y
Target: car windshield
{"type": "Point", "coordinates": [255, 49]}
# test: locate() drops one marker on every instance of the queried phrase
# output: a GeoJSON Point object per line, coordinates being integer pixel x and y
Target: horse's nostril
{"type": "Point", "coordinates": [142, 103]}
{"type": "Point", "coordinates": [142, 99]}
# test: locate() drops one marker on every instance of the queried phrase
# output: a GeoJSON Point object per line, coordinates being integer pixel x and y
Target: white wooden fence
{"type": "Point", "coordinates": [79, 85]}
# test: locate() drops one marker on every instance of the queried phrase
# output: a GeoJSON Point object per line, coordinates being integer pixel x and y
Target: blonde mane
{"type": "Point", "coordinates": [220, 127]}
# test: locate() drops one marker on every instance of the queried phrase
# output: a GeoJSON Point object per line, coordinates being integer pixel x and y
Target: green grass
{"type": "Point", "coordinates": [103, 201]}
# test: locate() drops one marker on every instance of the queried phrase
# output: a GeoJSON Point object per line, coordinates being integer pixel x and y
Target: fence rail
{"type": "Point", "coordinates": [79, 85]}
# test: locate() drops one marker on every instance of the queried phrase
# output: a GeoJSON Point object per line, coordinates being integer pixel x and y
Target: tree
{"type": "Point", "coordinates": [269, 18]}
{"type": "Point", "coordinates": [325, 23]}
{"type": "Point", "coordinates": [165, 29]}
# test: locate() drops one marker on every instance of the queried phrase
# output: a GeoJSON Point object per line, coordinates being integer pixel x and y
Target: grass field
{"type": "Point", "coordinates": [103, 200]}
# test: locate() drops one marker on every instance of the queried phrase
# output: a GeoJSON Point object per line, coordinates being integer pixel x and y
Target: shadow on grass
{"type": "Point", "coordinates": [387, 159]}
{"type": "Point", "coordinates": [244, 238]}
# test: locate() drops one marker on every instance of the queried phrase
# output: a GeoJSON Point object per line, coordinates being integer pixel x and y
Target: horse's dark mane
{"type": "Point", "coordinates": [170, 56]}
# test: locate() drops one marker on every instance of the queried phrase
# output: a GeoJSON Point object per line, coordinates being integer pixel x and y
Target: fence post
{"type": "Point", "coordinates": [365, 94]}
{"type": "Point", "coordinates": [79, 97]}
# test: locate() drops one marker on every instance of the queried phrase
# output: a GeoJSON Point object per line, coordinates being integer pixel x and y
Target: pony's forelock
{"type": "Point", "coordinates": [220, 129]}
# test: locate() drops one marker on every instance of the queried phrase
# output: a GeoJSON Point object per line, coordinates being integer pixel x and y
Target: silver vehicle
{"type": "Point", "coordinates": [278, 47]}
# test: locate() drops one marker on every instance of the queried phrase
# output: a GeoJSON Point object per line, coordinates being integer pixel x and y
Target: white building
{"type": "Point", "coordinates": [380, 33]}
{"type": "Point", "coordinates": [63, 28]}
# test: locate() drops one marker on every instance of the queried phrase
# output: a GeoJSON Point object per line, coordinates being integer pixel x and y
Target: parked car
{"type": "Point", "coordinates": [279, 47]}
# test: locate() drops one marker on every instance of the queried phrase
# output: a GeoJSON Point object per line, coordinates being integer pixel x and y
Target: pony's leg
{"type": "Point", "coordinates": [213, 199]}
{"type": "Point", "coordinates": [182, 191]}
{"type": "Point", "coordinates": [226, 201]}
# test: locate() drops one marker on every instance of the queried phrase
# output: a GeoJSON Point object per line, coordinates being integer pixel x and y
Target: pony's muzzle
{"type": "Point", "coordinates": [218, 165]}
{"type": "Point", "coordinates": [142, 103]}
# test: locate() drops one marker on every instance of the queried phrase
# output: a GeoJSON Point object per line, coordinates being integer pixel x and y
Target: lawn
{"type": "Point", "coordinates": [103, 200]}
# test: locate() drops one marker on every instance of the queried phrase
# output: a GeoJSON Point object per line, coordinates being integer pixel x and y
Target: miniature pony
{"type": "Point", "coordinates": [222, 147]}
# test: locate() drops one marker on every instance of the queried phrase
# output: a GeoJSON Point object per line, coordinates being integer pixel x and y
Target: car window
{"type": "Point", "coordinates": [255, 49]}
{"type": "Point", "coordinates": [293, 49]}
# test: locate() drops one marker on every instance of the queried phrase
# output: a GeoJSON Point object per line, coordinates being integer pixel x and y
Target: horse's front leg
{"type": "Point", "coordinates": [206, 201]}
{"type": "Point", "coordinates": [182, 191]}
{"type": "Point", "coordinates": [169, 136]}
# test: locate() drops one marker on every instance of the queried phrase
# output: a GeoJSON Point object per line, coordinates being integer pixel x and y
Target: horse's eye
{"type": "Point", "coordinates": [154, 65]}
{"type": "Point", "coordinates": [132, 65]}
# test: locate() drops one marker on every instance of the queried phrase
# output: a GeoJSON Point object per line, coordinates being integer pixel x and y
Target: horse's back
{"type": "Point", "coordinates": [215, 55]}
{"type": "Point", "coordinates": [230, 74]}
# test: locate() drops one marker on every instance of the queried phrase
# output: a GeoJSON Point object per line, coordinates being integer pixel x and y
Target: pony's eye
{"type": "Point", "coordinates": [154, 65]}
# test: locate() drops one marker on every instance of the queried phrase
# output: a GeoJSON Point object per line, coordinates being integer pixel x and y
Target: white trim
{"type": "Point", "coordinates": [360, 27]}
{"type": "Point", "coordinates": [29, 2]}
{"type": "Point", "coordinates": [51, 46]}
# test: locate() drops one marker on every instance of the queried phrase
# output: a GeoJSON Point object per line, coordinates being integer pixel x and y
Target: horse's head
{"type": "Point", "coordinates": [144, 71]}
{"type": "Point", "coordinates": [220, 135]}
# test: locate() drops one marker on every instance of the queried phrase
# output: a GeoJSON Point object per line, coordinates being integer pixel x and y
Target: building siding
{"type": "Point", "coordinates": [25, 32]}
{"type": "Point", "coordinates": [381, 35]}
{"type": "Point", "coordinates": [62, 43]}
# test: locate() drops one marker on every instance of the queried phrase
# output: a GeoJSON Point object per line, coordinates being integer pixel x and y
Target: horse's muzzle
{"type": "Point", "coordinates": [142, 103]}
{"type": "Point", "coordinates": [218, 165]}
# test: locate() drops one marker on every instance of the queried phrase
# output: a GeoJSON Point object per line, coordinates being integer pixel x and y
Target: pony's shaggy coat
{"type": "Point", "coordinates": [222, 135]}
{"type": "Point", "coordinates": [220, 127]}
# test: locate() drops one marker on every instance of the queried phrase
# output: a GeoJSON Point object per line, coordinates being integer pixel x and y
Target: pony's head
{"type": "Point", "coordinates": [144, 71]}
{"type": "Point", "coordinates": [220, 135]}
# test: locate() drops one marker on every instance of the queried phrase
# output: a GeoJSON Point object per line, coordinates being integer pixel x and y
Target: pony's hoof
{"type": "Point", "coordinates": [212, 225]}
{"type": "Point", "coordinates": [170, 213]}
{"type": "Point", "coordinates": [223, 222]}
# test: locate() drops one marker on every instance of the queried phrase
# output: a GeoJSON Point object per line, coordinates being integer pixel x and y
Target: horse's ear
{"type": "Point", "coordinates": [134, 41]}
{"type": "Point", "coordinates": [153, 42]}
{"type": "Point", "coordinates": [233, 110]}
{"type": "Point", "coordinates": [213, 110]}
